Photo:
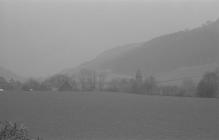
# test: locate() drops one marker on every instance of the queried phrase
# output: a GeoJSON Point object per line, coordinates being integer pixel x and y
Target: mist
{"type": "Point", "coordinates": [39, 38]}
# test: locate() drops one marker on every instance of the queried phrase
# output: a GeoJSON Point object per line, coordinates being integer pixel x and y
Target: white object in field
{"type": "Point", "coordinates": [1, 89]}
{"type": "Point", "coordinates": [31, 89]}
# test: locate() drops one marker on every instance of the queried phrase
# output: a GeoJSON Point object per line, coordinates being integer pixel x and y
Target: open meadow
{"type": "Point", "coordinates": [111, 116]}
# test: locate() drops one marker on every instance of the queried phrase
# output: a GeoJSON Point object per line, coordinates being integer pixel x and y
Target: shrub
{"type": "Point", "coordinates": [12, 131]}
{"type": "Point", "coordinates": [209, 85]}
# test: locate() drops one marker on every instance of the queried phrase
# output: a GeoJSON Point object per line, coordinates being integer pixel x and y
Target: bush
{"type": "Point", "coordinates": [11, 131]}
{"type": "Point", "coordinates": [209, 85]}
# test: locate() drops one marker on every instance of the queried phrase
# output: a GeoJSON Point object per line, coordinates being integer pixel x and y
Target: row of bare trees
{"type": "Point", "coordinates": [85, 80]}
{"type": "Point", "coordinates": [90, 80]}
{"type": "Point", "coordinates": [208, 86]}
{"type": "Point", "coordinates": [9, 84]}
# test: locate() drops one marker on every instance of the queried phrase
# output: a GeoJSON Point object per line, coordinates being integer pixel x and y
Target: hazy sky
{"type": "Point", "coordinates": [41, 37]}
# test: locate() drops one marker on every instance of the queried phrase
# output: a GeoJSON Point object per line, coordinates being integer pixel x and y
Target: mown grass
{"type": "Point", "coordinates": [106, 116]}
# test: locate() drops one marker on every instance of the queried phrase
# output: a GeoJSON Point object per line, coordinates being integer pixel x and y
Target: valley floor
{"type": "Point", "coordinates": [112, 116]}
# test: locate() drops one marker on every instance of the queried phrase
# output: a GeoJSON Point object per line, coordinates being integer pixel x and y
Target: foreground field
{"type": "Point", "coordinates": [112, 116]}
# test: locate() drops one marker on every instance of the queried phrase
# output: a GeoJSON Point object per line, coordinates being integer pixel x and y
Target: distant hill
{"type": "Point", "coordinates": [7, 74]}
{"type": "Point", "coordinates": [105, 57]}
{"type": "Point", "coordinates": [189, 48]}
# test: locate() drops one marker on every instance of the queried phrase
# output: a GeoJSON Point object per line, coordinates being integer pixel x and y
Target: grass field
{"type": "Point", "coordinates": [112, 116]}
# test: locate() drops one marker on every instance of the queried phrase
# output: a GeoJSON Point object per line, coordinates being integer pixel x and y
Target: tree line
{"type": "Point", "coordinates": [89, 80]}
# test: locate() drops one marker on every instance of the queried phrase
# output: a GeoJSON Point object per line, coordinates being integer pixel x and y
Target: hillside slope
{"type": "Point", "coordinates": [190, 48]}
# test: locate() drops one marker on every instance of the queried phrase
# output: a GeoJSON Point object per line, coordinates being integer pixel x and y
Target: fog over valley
{"type": "Point", "coordinates": [109, 69]}
{"type": "Point", "coordinates": [41, 38]}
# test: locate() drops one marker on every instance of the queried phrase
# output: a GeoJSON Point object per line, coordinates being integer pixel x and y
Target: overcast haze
{"type": "Point", "coordinates": [39, 38]}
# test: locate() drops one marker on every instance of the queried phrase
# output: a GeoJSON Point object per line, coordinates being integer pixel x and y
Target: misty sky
{"type": "Point", "coordinates": [42, 37]}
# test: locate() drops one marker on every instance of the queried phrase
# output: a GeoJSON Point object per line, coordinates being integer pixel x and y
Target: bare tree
{"type": "Point", "coordinates": [55, 81]}
{"type": "Point", "coordinates": [188, 87]}
{"type": "Point", "coordinates": [209, 84]}
{"type": "Point", "coordinates": [149, 85]}
{"type": "Point", "coordinates": [87, 79]}
{"type": "Point", "coordinates": [101, 80]}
